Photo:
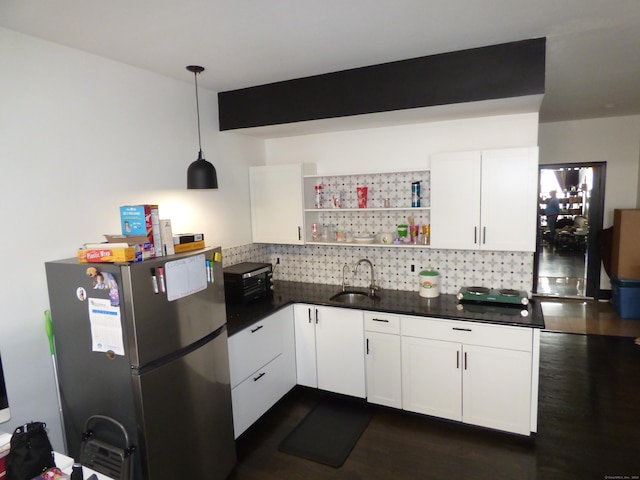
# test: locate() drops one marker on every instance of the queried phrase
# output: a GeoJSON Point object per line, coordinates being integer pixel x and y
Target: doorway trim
{"type": "Point", "coordinates": [595, 218]}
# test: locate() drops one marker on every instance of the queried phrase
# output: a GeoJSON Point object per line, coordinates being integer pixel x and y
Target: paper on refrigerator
{"type": "Point", "coordinates": [106, 326]}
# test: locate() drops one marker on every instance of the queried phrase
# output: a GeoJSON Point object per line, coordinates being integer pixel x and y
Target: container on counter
{"type": "Point", "coordinates": [429, 283]}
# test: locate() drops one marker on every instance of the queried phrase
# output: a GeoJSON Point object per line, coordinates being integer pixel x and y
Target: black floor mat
{"type": "Point", "coordinates": [329, 431]}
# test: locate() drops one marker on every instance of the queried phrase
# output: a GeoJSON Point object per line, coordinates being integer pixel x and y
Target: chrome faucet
{"type": "Point", "coordinates": [373, 288]}
{"type": "Point", "coordinates": [344, 277]}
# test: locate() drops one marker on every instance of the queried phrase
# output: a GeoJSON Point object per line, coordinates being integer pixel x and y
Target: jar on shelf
{"type": "Point", "coordinates": [318, 196]}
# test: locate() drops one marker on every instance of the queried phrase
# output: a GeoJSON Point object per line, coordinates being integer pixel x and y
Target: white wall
{"type": "Point", "coordinates": [80, 136]}
{"type": "Point", "coordinates": [613, 140]}
{"type": "Point", "coordinates": [402, 147]}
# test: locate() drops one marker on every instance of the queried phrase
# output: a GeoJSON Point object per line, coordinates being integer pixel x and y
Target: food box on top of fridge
{"type": "Point", "coordinates": [109, 255]}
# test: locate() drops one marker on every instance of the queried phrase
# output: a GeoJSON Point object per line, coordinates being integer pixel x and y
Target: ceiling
{"type": "Point", "coordinates": [593, 46]}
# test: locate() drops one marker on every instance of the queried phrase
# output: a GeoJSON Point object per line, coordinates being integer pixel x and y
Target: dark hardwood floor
{"type": "Point", "coordinates": [589, 428]}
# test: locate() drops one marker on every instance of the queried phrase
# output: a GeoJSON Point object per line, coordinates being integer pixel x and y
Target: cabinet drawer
{"type": "Point", "coordinates": [380, 322]}
{"type": "Point", "coordinates": [471, 333]}
{"type": "Point", "coordinates": [254, 347]}
{"type": "Point", "coordinates": [257, 394]}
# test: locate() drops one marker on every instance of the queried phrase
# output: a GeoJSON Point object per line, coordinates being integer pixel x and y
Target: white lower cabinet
{"type": "Point", "coordinates": [479, 374]}
{"type": "Point", "coordinates": [476, 373]}
{"type": "Point", "coordinates": [431, 378]}
{"type": "Point", "coordinates": [262, 365]}
{"type": "Point", "coordinates": [383, 359]}
{"type": "Point", "coordinates": [330, 349]}
{"type": "Point", "coordinates": [497, 388]}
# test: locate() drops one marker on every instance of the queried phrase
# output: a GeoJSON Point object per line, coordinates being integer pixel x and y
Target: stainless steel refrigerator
{"type": "Point", "coordinates": [146, 345]}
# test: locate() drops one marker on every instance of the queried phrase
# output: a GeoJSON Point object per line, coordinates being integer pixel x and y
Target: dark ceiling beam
{"type": "Point", "coordinates": [487, 73]}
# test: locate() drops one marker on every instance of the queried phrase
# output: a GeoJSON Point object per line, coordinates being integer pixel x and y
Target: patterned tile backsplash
{"type": "Point", "coordinates": [392, 265]}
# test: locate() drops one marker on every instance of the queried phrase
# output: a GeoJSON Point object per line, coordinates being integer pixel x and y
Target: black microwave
{"type": "Point", "coordinates": [248, 281]}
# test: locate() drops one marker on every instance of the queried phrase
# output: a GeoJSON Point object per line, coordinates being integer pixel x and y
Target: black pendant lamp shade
{"type": "Point", "coordinates": [201, 174]}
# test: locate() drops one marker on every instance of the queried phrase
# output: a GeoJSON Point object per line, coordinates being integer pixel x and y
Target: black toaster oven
{"type": "Point", "coordinates": [248, 281]}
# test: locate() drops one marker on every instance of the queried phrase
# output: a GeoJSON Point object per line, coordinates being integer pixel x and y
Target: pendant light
{"type": "Point", "coordinates": [201, 174]}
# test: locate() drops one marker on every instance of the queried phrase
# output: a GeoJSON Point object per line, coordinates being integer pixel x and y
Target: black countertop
{"type": "Point", "coordinates": [388, 301]}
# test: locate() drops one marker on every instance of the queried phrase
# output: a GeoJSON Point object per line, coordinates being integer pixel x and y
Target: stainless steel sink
{"type": "Point", "coordinates": [351, 297]}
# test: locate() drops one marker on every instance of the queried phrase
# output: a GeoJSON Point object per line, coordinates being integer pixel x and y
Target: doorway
{"type": "Point", "coordinates": [567, 262]}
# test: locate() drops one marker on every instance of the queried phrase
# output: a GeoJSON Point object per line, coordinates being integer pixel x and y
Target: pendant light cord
{"type": "Point", "coordinates": [195, 74]}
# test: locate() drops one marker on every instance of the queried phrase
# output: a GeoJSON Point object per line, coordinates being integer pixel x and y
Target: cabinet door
{"type": "Point", "coordinates": [340, 351]}
{"type": "Point", "coordinates": [384, 385]}
{"type": "Point", "coordinates": [455, 200]}
{"type": "Point", "coordinates": [277, 204]}
{"type": "Point", "coordinates": [305, 340]}
{"type": "Point", "coordinates": [432, 377]}
{"type": "Point", "coordinates": [497, 388]}
{"type": "Point", "coordinates": [509, 196]}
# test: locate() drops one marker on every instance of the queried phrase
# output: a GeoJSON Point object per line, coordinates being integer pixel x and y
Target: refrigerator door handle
{"type": "Point", "coordinates": [140, 370]}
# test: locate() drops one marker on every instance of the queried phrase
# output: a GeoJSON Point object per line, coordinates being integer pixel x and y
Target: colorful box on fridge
{"type": "Point", "coordinates": [142, 220]}
{"type": "Point", "coordinates": [109, 255]}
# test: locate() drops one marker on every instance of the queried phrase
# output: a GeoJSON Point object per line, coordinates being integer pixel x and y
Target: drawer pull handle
{"type": "Point", "coordinates": [254, 330]}
{"type": "Point", "coordinates": [309, 315]}
{"type": "Point", "coordinates": [462, 329]}
{"type": "Point", "coordinates": [367, 346]}
{"type": "Point", "coordinates": [255, 379]}
{"type": "Point", "coordinates": [458, 359]}
{"type": "Point", "coordinates": [380, 320]}
{"type": "Point", "coordinates": [465, 360]}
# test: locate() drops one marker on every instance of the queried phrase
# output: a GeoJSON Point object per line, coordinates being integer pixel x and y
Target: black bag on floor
{"type": "Point", "coordinates": [30, 452]}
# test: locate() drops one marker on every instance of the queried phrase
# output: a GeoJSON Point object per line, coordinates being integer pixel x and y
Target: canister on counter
{"type": "Point", "coordinates": [429, 283]}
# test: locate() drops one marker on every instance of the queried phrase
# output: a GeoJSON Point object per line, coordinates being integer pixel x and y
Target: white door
{"type": "Point", "coordinates": [497, 388]}
{"type": "Point", "coordinates": [340, 351]}
{"type": "Point", "coordinates": [383, 361]}
{"type": "Point", "coordinates": [277, 208]}
{"type": "Point", "coordinates": [509, 199]}
{"type": "Point", "coordinates": [305, 340]}
{"type": "Point", "coordinates": [455, 200]}
{"type": "Point", "coordinates": [432, 377]}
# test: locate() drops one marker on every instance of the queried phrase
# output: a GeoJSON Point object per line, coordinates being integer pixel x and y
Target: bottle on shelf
{"type": "Point", "coordinates": [415, 194]}
{"type": "Point", "coordinates": [318, 196]}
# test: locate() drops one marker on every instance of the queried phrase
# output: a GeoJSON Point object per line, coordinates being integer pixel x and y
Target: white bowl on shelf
{"type": "Point", "coordinates": [364, 239]}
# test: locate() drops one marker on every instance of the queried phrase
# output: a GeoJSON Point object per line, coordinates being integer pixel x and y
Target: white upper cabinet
{"type": "Point", "coordinates": [485, 200]}
{"type": "Point", "coordinates": [277, 205]}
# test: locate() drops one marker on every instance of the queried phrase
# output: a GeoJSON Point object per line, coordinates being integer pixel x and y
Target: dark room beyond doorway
{"type": "Point", "coordinates": [567, 260]}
